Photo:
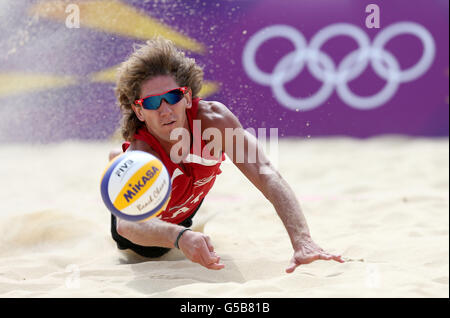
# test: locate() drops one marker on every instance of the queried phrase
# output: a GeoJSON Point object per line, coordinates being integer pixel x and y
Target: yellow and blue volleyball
{"type": "Point", "coordinates": [136, 186]}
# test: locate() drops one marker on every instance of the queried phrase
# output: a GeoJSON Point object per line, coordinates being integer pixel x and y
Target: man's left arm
{"type": "Point", "coordinates": [268, 180]}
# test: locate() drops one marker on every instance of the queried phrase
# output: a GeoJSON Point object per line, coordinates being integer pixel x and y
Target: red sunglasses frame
{"type": "Point", "coordinates": [139, 102]}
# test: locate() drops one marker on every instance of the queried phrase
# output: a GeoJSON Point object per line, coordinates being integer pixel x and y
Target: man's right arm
{"type": "Point", "coordinates": [196, 246]}
{"type": "Point", "coordinates": [153, 232]}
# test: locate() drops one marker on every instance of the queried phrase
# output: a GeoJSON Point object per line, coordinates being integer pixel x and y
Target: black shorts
{"type": "Point", "coordinates": [146, 251]}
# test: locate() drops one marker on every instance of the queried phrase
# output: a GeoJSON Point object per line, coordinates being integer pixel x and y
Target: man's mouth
{"type": "Point", "coordinates": [169, 123]}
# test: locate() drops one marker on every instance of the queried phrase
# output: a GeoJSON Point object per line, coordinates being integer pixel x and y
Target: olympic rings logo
{"type": "Point", "coordinates": [322, 67]}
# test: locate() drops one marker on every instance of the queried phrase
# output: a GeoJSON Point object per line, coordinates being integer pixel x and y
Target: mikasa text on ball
{"type": "Point", "coordinates": [136, 186]}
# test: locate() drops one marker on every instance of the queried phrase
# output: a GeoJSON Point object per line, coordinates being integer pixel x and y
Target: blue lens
{"type": "Point", "coordinates": [154, 102]}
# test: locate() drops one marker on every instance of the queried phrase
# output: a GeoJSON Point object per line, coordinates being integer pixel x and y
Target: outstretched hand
{"type": "Point", "coordinates": [198, 248]}
{"type": "Point", "coordinates": [309, 252]}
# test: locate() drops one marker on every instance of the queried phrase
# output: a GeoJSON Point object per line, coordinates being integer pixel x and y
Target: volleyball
{"type": "Point", "coordinates": [135, 186]}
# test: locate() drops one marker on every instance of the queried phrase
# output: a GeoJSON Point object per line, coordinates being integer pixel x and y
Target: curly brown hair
{"type": "Point", "coordinates": [157, 56]}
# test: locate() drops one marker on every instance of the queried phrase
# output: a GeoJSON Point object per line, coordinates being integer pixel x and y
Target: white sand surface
{"type": "Point", "coordinates": [382, 202]}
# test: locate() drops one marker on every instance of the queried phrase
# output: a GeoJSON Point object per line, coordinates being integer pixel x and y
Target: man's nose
{"type": "Point", "coordinates": [165, 108]}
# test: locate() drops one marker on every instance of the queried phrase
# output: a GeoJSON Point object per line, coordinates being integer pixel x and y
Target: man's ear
{"type": "Point", "coordinates": [189, 98]}
{"type": "Point", "coordinates": [138, 111]}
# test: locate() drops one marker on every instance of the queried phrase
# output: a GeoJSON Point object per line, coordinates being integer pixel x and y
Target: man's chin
{"type": "Point", "coordinates": [168, 129]}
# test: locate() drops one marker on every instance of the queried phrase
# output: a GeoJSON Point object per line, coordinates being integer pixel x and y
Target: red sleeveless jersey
{"type": "Point", "coordinates": [191, 183]}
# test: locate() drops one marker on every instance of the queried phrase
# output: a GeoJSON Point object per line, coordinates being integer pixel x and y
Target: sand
{"type": "Point", "coordinates": [383, 203]}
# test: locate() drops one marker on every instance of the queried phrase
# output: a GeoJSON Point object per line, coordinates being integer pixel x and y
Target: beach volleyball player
{"type": "Point", "coordinates": [157, 89]}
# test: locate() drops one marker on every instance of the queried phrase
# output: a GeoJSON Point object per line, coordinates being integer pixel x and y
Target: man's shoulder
{"type": "Point", "coordinates": [211, 108]}
{"type": "Point", "coordinates": [213, 114]}
{"type": "Point", "coordinates": [137, 144]}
